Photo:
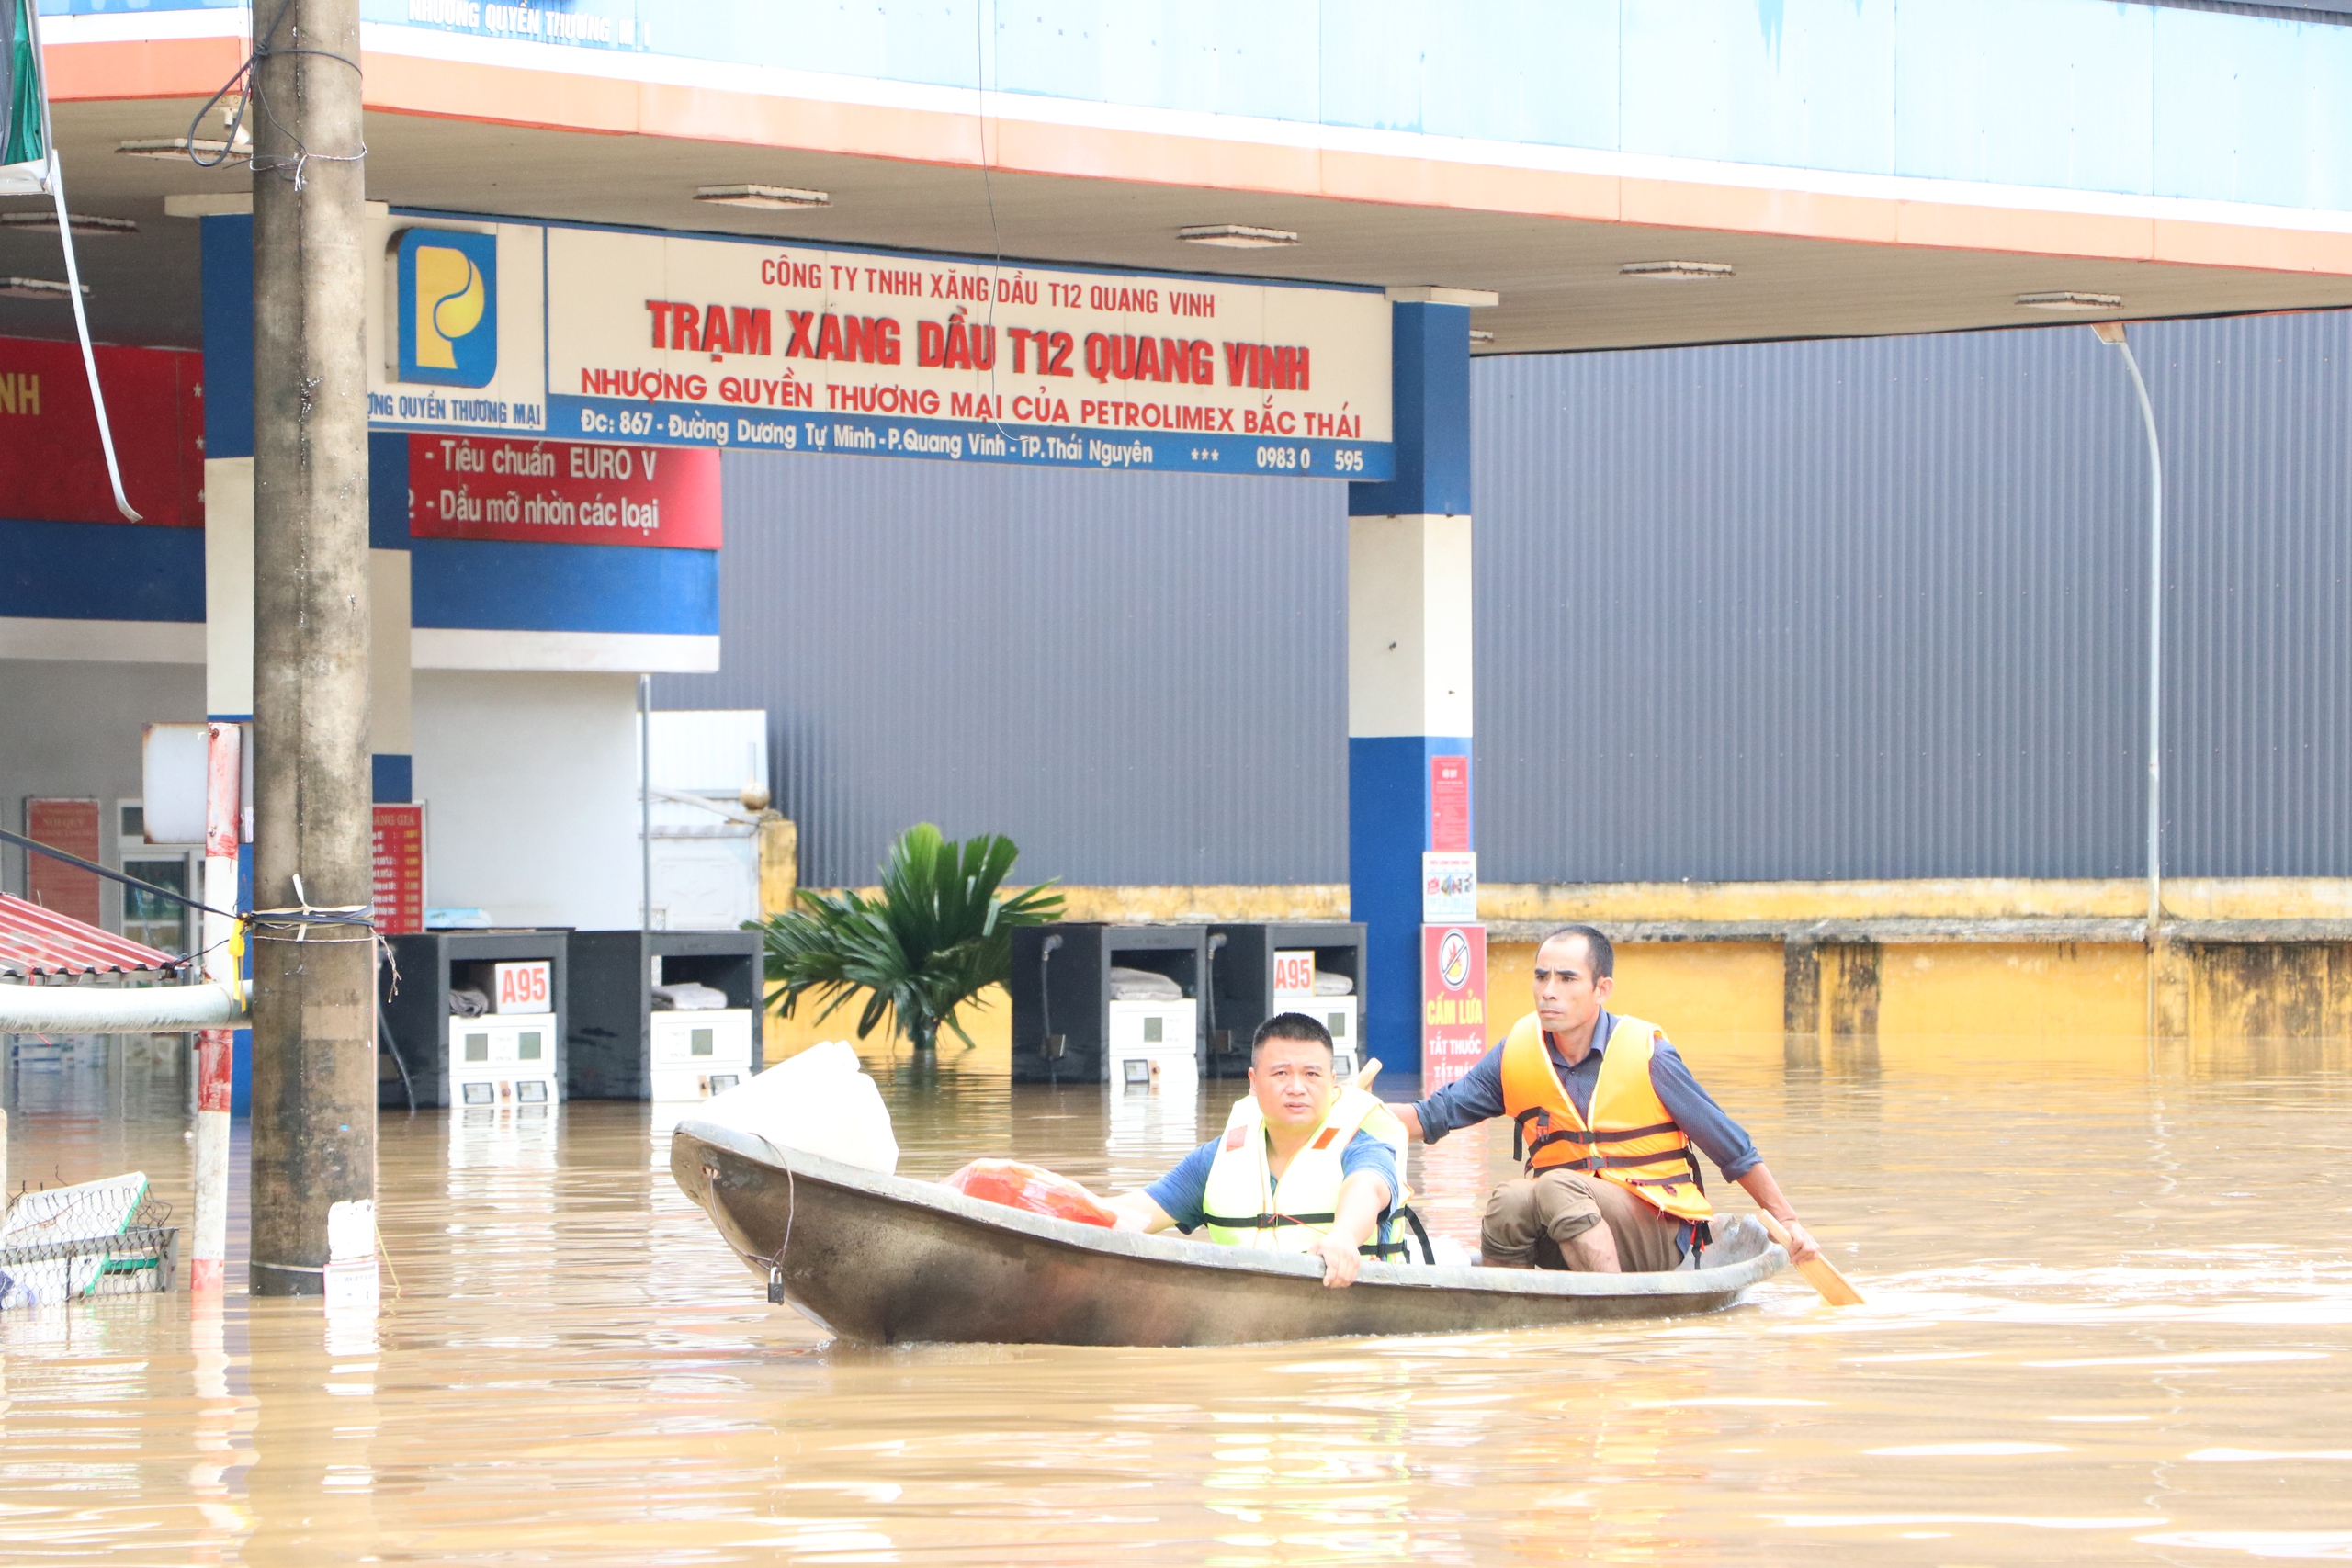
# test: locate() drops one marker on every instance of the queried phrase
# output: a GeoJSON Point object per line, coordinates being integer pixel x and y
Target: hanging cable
{"type": "Point", "coordinates": [56, 183]}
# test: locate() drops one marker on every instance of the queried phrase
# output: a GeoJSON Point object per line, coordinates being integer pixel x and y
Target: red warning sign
{"type": "Point", "coordinates": [1454, 1002]}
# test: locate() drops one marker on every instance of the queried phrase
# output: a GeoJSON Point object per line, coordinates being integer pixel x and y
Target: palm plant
{"type": "Point", "coordinates": [938, 936]}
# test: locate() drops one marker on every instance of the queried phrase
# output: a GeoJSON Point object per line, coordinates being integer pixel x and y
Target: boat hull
{"type": "Point", "coordinates": [883, 1260]}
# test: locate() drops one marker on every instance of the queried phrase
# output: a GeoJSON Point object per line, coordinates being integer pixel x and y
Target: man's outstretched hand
{"type": "Point", "coordinates": [1341, 1261]}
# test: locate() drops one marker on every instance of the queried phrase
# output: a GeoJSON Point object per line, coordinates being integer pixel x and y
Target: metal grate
{"type": "Point", "coordinates": [139, 1259]}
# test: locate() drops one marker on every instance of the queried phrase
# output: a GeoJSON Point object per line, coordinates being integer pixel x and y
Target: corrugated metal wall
{"type": "Point", "coordinates": [1876, 609]}
{"type": "Point", "coordinates": [1868, 609]}
{"type": "Point", "coordinates": [2256, 422]}
{"type": "Point", "coordinates": [1140, 678]}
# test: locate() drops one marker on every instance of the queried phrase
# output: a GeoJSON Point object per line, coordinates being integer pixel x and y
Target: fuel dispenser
{"type": "Point", "coordinates": [666, 1016]}
{"type": "Point", "coordinates": [1095, 1003]}
{"type": "Point", "coordinates": [1256, 971]}
{"type": "Point", "coordinates": [474, 1018]}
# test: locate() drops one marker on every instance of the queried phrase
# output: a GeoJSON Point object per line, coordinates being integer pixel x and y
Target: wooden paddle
{"type": "Point", "coordinates": [1821, 1274]}
{"type": "Point", "coordinates": [1365, 1074]}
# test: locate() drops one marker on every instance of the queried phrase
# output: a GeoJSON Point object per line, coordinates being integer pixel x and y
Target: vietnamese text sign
{"type": "Point", "coordinates": [399, 868]}
{"type": "Point", "coordinates": [798, 348]}
{"type": "Point", "coordinates": [1449, 804]}
{"type": "Point", "coordinates": [54, 885]}
{"type": "Point", "coordinates": [1454, 1002]}
{"type": "Point", "coordinates": [567, 492]}
{"type": "Point", "coordinates": [1449, 887]}
{"type": "Point", "coordinates": [535, 329]}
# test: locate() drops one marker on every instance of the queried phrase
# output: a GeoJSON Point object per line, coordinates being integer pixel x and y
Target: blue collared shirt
{"type": "Point", "coordinates": [1478, 1095]}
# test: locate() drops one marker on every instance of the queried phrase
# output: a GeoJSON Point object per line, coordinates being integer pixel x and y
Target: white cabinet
{"type": "Point", "coordinates": [504, 1058]}
{"type": "Point", "coordinates": [1154, 1044]}
{"type": "Point", "coordinates": [697, 1053]}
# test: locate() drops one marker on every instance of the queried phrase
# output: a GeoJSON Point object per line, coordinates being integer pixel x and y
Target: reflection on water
{"type": "Point", "coordinates": [2111, 1320]}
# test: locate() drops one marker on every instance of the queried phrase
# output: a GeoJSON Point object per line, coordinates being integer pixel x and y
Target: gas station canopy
{"type": "Point", "coordinates": [1648, 174]}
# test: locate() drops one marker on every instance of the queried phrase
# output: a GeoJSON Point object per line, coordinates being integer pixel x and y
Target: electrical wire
{"type": "Point", "coordinates": [245, 83]}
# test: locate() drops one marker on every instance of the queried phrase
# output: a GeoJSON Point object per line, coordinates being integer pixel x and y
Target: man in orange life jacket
{"type": "Point", "coordinates": [1609, 1114]}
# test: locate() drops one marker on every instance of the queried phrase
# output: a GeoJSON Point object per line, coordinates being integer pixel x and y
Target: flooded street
{"type": "Point", "coordinates": [2111, 1320]}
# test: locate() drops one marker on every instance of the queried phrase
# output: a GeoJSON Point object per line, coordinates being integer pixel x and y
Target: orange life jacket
{"type": "Point", "coordinates": [1630, 1138]}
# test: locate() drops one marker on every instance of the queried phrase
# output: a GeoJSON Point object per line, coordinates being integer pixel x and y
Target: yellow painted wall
{"type": "Point", "coordinates": [1978, 898]}
{"type": "Point", "coordinates": [2034, 991]}
{"type": "Point", "coordinates": [1716, 1000]}
{"type": "Point", "coordinates": [990, 1028]}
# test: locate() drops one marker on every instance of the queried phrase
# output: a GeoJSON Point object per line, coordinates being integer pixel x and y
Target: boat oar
{"type": "Point", "coordinates": [1820, 1273]}
{"type": "Point", "coordinates": [1365, 1074]}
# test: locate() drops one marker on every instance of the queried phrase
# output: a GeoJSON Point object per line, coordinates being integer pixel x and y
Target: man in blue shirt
{"type": "Point", "coordinates": [1589, 1208]}
{"type": "Point", "coordinates": [1289, 1173]}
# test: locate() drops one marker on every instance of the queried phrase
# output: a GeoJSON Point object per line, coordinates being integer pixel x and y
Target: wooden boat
{"type": "Point", "coordinates": [883, 1260]}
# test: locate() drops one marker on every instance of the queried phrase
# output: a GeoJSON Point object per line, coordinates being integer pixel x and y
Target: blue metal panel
{"type": "Point", "coordinates": [101, 571]}
{"type": "Point", "coordinates": [394, 774]}
{"type": "Point", "coordinates": [2033, 92]}
{"type": "Point", "coordinates": [510, 585]}
{"type": "Point", "coordinates": [1430, 370]}
{"type": "Point", "coordinates": [388, 490]}
{"type": "Point", "coordinates": [228, 279]}
{"type": "Point", "coordinates": [2242, 93]}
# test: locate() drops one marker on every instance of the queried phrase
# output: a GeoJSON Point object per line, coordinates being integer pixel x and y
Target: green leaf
{"type": "Point", "coordinates": [940, 934]}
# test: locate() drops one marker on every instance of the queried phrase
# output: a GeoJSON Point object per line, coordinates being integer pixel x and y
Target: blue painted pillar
{"type": "Point", "coordinates": [1408, 663]}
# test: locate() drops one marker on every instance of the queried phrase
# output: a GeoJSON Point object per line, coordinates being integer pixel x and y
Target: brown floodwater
{"type": "Point", "coordinates": [2111, 1320]}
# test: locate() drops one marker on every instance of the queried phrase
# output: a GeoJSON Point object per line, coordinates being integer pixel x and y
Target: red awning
{"type": "Point", "coordinates": [34, 941]}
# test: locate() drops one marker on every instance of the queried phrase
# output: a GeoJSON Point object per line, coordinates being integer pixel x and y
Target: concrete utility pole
{"type": "Point", "coordinates": [313, 1009]}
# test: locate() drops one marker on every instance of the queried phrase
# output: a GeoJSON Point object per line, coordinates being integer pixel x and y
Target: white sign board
{"type": "Point", "coordinates": [523, 985]}
{"type": "Point", "coordinates": [1449, 887]}
{"type": "Point", "coordinates": [604, 334]}
{"type": "Point", "coordinates": [1294, 974]}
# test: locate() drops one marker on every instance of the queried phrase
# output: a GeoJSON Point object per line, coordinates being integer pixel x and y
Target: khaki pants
{"type": "Point", "coordinates": [1530, 1221]}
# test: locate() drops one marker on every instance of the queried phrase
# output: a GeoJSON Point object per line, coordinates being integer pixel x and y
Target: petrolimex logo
{"type": "Point", "coordinates": [447, 284]}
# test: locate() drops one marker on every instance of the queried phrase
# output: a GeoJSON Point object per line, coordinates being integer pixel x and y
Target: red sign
{"type": "Point", "coordinates": [1449, 804]}
{"type": "Point", "coordinates": [71, 826]}
{"type": "Point", "coordinates": [53, 469]}
{"type": "Point", "coordinates": [400, 868]}
{"type": "Point", "coordinates": [1454, 1002]}
{"type": "Point", "coordinates": [562, 493]}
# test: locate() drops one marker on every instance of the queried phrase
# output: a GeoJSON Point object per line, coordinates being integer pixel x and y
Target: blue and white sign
{"type": "Point", "coordinates": [446, 293]}
{"type": "Point", "coordinates": [456, 325]}
{"type": "Point", "coordinates": [623, 336]}
{"type": "Point", "coordinates": [789, 347]}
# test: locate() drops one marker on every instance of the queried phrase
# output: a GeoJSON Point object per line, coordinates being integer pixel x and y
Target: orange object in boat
{"type": "Point", "coordinates": [1030, 1187]}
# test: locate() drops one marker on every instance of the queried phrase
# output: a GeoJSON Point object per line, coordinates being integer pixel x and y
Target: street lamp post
{"type": "Point", "coordinates": [2111, 333]}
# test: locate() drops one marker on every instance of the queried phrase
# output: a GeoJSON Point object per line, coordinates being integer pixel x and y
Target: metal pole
{"type": "Point", "coordinates": [2112, 333]}
{"type": "Point", "coordinates": [645, 801]}
{"type": "Point", "coordinates": [216, 1048]}
{"type": "Point", "coordinates": [314, 1048]}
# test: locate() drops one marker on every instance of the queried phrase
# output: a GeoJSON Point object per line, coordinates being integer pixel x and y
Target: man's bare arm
{"type": "Point", "coordinates": [1361, 1198]}
{"type": "Point", "coordinates": [1137, 1211]}
{"type": "Point", "coordinates": [1411, 1116]}
{"type": "Point", "coordinates": [1770, 1198]}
